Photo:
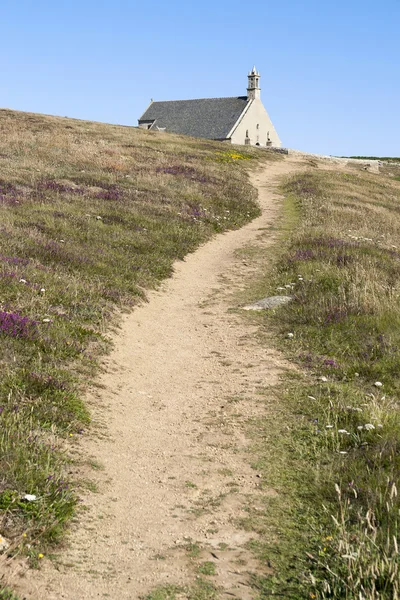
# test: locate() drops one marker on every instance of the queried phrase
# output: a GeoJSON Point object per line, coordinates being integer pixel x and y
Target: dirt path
{"type": "Point", "coordinates": [172, 407]}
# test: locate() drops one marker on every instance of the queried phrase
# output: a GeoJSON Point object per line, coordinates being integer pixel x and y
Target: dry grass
{"type": "Point", "coordinates": [336, 447]}
{"type": "Point", "coordinates": [91, 215]}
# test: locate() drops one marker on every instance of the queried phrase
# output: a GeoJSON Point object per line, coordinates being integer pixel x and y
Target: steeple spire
{"type": "Point", "coordinates": [253, 87]}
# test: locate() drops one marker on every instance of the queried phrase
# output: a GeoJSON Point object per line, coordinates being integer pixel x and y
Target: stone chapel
{"type": "Point", "coordinates": [238, 120]}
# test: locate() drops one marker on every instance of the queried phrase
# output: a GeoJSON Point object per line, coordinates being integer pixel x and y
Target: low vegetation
{"type": "Point", "coordinates": [333, 452]}
{"type": "Point", "coordinates": [201, 590]}
{"type": "Point", "coordinates": [91, 216]}
{"type": "Point", "coordinates": [382, 158]}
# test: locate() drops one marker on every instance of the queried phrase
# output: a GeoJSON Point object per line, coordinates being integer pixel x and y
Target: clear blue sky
{"type": "Point", "coordinates": [330, 69]}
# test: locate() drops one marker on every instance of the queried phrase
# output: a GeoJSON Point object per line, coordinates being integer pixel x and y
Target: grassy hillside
{"type": "Point", "coordinates": [336, 446]}
{"type": "Point", "coordinates": [91, 216]}
{"type": "Point", "coordinates": [382, 158]}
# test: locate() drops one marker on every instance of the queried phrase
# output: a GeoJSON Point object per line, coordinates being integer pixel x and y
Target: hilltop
{"type": "Point", "coordinates": [219, 452]}
{"type": "Point", "coordinates": [92, 216]}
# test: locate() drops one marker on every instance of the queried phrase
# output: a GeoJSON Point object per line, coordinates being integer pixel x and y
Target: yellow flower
{"type": "Point", "coordinates": [40, 555]}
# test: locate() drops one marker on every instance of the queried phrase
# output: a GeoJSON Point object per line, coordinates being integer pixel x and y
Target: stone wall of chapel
{"type": "Point", "coordinates": [256, 115]}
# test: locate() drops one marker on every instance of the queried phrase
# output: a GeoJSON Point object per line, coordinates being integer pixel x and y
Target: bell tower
{"type": "Point", "coordinates": [253, 87]}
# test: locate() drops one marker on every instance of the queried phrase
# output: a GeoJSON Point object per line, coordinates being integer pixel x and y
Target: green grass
{"type": "Point", "coordinates": [201, 590]}
{"type": "Point", "coordinates": [333, 450]}
{"type": "Point", "coordinates": [91, 216]}
{"type": "Point", "coordinates": [385, 158]}
{"type": "Point", "coordinates": [7, 594]}
{"type": "Point", "coordinates": [207, 568]}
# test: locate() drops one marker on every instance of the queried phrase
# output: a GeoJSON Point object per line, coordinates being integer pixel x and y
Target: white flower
{"type": "Point", "coordinates": [29, 497]}
{"type": "Point", "coordinates": [378, 384]}
{"type": "Point", "coordinates": [22, 280]}
{"type": "Point", "coordinates": [290, 335]}
{"type": "Point", "coordinates": [380, 425]}
{"type": "Point", "coordinates": [343, 431]}
{"type": "Point", "coordinates": [342, 452]}
{"type": "Point", "coordinates": [99, 218]}
{"type": "Point", "coordinates": [42, 290]}
{"type": "Point", "coordinates": [360, 427]}
{"type": "Point", "coordinates": [329, 426]}
{"type": "Point", "coordinates": [369, 426]}
{"type": "Point", "coordinates": [46, 321]}
{"type": "Point", "coordinates": [323, 378]}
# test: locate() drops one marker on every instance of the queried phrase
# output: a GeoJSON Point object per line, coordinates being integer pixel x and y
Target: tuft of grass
{"type": "Point", "coordinates": [8, 594]}
{"type": "Point", "coordinates": [168, 592]}
{"type": "Point", "coordinates": [91, 216]}
{"type": "Point", "coordinates": [201, 590]}
{"type": "Point", "coordinates": [335, 449]}
{"type": "Point", "coordinates": [207, 568]}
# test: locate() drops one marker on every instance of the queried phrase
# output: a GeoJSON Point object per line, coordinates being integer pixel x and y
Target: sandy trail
{"type": "Point", "coordinates": [172, 439]}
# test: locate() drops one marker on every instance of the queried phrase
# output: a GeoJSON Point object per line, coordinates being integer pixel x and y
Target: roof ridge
{"type": "Point", "coordinates": [195, 99]}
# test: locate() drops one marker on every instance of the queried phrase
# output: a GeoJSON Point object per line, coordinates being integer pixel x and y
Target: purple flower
{"type": "Point", "coordinates": [9, 193]}
{"type": "Point", "coordinates": [329, 362]}
{"type": "Point", "coordinates": [18, 326]}
{"type": "Point", "coordinates": [184, 171]}
{"type": "Point", "coordinates": [335, 315]}
{"type": "Point", "coordinates": [304, 255]}
{"type": "Point", "coordinates": [15, 260]}
{"type": "Point", "coordinates": [110, 193]}
{"type": "Point", "coordinates": [59, 188]}
{"type": "Point", "coordinates": [8, 274]}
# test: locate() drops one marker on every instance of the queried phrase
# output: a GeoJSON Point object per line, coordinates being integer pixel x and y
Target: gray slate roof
{"type": "Point", "coordinates": [210, 118]}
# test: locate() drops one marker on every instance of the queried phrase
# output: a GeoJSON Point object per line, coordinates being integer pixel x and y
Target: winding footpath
{"type": "Point", "coordinates": [170, 413]}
